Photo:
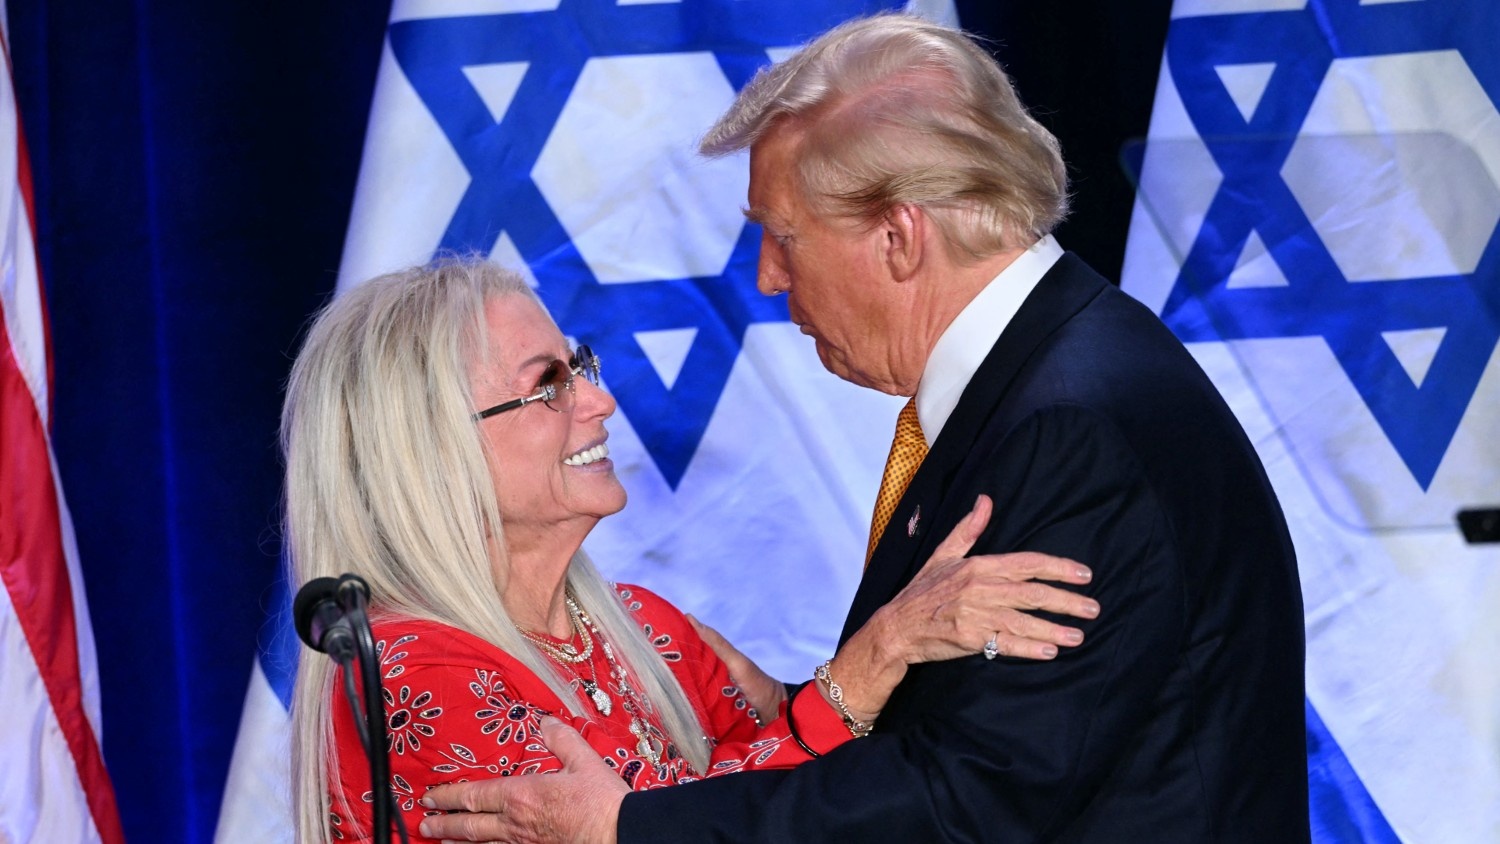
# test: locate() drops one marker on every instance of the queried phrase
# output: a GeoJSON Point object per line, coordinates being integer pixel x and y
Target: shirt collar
{"type": "Point", "coordinates": [968, 339]}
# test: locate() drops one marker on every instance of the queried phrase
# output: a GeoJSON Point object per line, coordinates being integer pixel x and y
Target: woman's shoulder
{"type": "Point", "coordinates": [404, 639]}
{"type": "Point", "coordinates": [648, 606]}
{"type": "Point", "coordinates": [665, 626]}
{"type": "Point", "coordinates": [435, 652]}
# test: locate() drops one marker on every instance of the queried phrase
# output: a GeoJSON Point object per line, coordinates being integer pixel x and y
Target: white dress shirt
{"type": "Point", "coordinates": [968, 339]}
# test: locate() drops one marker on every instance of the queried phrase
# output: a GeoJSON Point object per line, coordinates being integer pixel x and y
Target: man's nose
{"type": "Point", "coordinates": [770, 277]}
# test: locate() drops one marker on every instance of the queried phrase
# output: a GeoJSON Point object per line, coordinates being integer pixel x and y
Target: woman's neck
{"type": "Point", "coordinates": [536, 589]}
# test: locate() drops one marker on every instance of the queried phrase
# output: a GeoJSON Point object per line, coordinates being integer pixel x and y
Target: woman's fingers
{"type": "Point", "coordinates": [1032, 565]}
{"type": "Point", "coordinates": [956, 604]}
{"type": "Point", "coordinates": [1020, 581]}
{"type": "Point", "coordinates": [1020, 625]}
{"type": "Point", "coordinates": [1035, 595]}
{"type": "Point", "coordinates": [964, 534]}
{"type": "Point", "coordinates": [1018, 634]}
{"type": "Point", "coordinates": [1012, 646]}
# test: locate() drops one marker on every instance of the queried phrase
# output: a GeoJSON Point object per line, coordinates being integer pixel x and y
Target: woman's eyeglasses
{"type": "Point", "coordinates": [555, 389]}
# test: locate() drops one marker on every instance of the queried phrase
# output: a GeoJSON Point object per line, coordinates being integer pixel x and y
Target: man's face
{"type": "Point", "coordinates": [835, 276]}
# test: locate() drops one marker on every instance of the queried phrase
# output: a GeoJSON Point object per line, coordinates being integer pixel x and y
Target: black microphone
{"type": "Point", "coordinates": [330, 615]}
{"type": "Point", "coordinates": [320, 620]}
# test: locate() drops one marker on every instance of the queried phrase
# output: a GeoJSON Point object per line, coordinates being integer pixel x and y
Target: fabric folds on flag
{"type": "Point", "coordinates": [53, 783]}
{"type": "Point", "coordinates": [560, 141]}
{"type": "Point", "coordinates": [1316, 219]}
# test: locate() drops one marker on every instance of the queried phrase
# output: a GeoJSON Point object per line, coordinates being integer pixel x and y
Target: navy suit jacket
{"type": "Point", "coordinates": [1179, 719]}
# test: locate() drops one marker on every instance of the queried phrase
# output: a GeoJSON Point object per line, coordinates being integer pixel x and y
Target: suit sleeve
{"type": "Point", "coordinates": [1008, 750]}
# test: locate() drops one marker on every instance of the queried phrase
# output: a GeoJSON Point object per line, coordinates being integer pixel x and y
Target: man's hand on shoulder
{"type": "Point", "coordinates": [580, 803]}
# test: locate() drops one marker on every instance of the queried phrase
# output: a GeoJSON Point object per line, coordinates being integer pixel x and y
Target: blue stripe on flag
{"type": "Point", "coordinates": [276, 644]}
{"type": "Point", "coordinates": [1323, 178]}
{"type": "Point", "coordinates": [501, 158]}
{"type": "Point", "coordinates": [1342, 810]}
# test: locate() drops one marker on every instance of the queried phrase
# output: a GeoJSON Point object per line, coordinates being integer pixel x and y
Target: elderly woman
{"type": "Point", "coordinates": [442, 440]}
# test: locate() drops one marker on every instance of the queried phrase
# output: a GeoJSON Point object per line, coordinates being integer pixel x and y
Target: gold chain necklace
{"type": "Point", "coordinates": [564, 653]}
{"type": "Point", "coordinates": [569, 657]}
{"type": "Point", "coordinates": [649, 744]}
{"type": "Point", "coordinates": [648, 739]}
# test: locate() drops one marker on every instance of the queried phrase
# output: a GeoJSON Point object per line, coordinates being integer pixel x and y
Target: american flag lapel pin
{"type": "Point", "coordinates": [916, 519]}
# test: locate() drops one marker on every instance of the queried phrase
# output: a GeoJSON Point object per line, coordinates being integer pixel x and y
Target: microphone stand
{"type": "Point", "coordinates": [352, 597]}
{"type": "Point", "coordinates": [332, 617]}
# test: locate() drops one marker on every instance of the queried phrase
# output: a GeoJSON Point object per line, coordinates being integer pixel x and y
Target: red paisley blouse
{"type": "Point", "coordinates": [459, 708]}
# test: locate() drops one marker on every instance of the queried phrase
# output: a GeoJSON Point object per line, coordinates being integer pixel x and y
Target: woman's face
{"type": "Point", "coordinates": [550, 488]}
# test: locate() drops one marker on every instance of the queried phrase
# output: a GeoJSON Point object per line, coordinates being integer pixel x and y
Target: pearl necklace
{"type": "Point", "coordinates": [648, 745]}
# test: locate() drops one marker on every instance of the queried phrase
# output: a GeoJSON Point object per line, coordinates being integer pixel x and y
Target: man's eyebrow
{"type": "Point", "coordinates": [755, 215]}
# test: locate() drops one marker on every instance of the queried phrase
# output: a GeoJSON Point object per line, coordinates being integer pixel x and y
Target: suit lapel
{"type": "Point", "coordinates": [910, 537]}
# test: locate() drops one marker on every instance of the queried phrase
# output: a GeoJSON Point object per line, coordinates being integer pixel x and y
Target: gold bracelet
{"type": "Point", "coordinates": [857, 728]}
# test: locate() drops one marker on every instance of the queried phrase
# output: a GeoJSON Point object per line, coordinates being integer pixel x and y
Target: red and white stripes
{"type": "Point", "coordinates": [53, 784]}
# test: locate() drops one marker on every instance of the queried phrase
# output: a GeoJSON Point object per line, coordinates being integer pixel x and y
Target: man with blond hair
{"type": "Point", "coordinates": [907, 199]}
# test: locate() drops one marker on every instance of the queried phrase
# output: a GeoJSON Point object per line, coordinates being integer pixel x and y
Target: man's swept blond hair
{"type": "Point", "coordinates": [896, 110]}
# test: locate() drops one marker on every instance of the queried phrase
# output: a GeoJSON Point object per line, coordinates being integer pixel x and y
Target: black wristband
{"type": "Point", "coordinates": [791, 724]}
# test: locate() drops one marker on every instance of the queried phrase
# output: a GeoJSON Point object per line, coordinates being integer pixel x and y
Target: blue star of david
{"type": "Point", "coordinates": [1419, 421]}
{"type": "Point", "coordinates": [502, 196]}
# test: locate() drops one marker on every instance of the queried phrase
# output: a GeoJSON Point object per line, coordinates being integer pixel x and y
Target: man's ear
{"type": "Point", "coordinates": [905, 228]}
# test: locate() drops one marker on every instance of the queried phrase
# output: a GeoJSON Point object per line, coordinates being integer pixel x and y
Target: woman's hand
{"type": "Point", "coordinates": [764, 692]}
{"type": "Point", "coordinates": [957, 605]}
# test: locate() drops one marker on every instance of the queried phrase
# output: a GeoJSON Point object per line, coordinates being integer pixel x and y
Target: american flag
{"type": "Point", "coordinates": [53, 784]}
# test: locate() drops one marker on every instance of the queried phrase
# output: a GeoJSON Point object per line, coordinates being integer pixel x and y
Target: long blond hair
{"type": "Point", "coordinates": [386, 476]}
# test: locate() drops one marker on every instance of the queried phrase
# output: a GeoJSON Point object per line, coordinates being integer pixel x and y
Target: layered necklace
{"type": "Point", "coordinates": [648, 745]}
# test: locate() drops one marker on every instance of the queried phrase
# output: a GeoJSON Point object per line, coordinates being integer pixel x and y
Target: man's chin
{"type": "Point", "coordinates": [832, 362]}
{"type": "Point", "coordinates": [840, 367]}
{"type": "Point", "coordinates": [836, 364]}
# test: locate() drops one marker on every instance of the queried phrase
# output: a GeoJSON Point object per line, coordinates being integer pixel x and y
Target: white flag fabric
{"type": "Point", "coordinates": [53, 784]}
{"type": "Point", "coordinates": [560, 141]}
{"type": "Point", "coordinates": [1316, 218]}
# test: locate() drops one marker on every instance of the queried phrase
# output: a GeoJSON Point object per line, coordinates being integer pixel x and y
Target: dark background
{"type": "Point", "coordinates": [194, 166]}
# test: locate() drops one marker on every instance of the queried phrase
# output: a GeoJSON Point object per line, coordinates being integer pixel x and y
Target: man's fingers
{"type": "Point", "coordinates": [467, 825]}
{"type": "Point", "coordinates": [964, 534]}
{"type": "Point", "coordinates": [569, 747]}
{"type": "Point", "coordinates": [474, 796]}
{"type": "Point", "coordinates": [578, 803]}
{"type": "Point", "coordinates": [716, 641]}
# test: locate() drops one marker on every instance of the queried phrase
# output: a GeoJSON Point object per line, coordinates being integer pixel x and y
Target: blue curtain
{"type": "Point", "coordinates": [194, 164]}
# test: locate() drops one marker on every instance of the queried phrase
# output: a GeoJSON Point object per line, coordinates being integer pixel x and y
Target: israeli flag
{"type": "Point", "coordinates": [560, 139]}
{"type": "Point", "coordinates": [1316, 218]}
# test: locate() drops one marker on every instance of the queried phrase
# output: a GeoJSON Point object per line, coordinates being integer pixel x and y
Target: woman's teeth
{"type": "Point", "coordinates": [588, 455]}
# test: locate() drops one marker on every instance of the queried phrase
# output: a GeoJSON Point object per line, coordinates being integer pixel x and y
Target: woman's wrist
{"type": "Point", "coordinates": [834, 693]}
{"type": "Point", "coordinates": [869, 667]}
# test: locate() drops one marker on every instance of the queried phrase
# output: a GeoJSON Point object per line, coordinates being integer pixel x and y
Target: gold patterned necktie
{"type": "Point", "coordinates": [907, 451]}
